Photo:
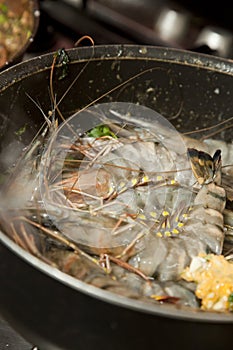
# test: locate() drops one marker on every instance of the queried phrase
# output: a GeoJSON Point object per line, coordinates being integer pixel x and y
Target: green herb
{"type": "Point", "coordinates": [230, 299]}
{"type": "Point", "coordinates": [3, 8]}
{"type": "Point", "coordinates": [29, 33]}
{"type": "Point", "coordinates": [101, 130]}
{"type": "Point", "coordinates": [21, 130]}
{"type": "Point", "coordinates": [3, 18]}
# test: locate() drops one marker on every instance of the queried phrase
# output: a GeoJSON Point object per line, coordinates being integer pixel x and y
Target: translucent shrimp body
{"type": "Point", "coordinates": [115, 186]}
{"type": "Point", "coordinates": [111, 184]}
{"type": "Point", "coordinates": [129, 191]}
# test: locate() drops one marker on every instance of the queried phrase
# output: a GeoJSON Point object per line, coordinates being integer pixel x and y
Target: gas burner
{"type": "Point", "coordinates": [165, 23]}
{"type": "Point", "coordinates": [161, 23]}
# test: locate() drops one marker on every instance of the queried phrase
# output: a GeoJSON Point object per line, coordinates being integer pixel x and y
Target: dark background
{"type": "Point", "coordinates": [200, 25]}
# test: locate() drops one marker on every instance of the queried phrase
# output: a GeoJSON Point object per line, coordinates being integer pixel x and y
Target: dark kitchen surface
{"type": "Point", "coordinates": [10, 340]}
{"type": "Point", "coordinates": [158, 22]}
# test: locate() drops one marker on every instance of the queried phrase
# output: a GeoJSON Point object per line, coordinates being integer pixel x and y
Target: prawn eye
{"type": "Point", "coordinates": [217, 159]}
{"type": "Point", "coordinates": [204, 166]}
{"type": "Point", "coordinates": [217, 155]}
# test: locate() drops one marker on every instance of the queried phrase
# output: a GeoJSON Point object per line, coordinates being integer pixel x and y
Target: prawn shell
{"type": "Point", "coordinates": [211, 196]}
{"type": "Point", "coordinates": [208, 215]}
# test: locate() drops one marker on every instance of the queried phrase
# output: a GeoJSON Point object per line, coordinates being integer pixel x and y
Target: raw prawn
{"type": "Point", "coordinates": [128, 194]}
{"type": "Point", "coordinates": [203, 230]}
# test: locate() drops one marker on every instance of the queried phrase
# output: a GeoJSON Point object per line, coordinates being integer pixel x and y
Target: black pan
{"type": "Point", "coordinates": [51, 309]}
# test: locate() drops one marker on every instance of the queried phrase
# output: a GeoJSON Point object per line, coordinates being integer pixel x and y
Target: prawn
{"type": "Point", "coordinates": [203, 230]}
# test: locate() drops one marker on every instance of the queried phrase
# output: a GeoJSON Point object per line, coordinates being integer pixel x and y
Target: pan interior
{"type": "Point", "coordinates": [191, 93]}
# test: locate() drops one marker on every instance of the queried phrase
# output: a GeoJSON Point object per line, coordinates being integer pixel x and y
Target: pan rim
{"type": "Point", "coordinates": [43, 62]}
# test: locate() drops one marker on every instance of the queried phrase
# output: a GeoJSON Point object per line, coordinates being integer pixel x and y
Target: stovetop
{"type": "Point", "coordinates": [151, 22]}
{"type": "Point", "coordinates": [155, 22]}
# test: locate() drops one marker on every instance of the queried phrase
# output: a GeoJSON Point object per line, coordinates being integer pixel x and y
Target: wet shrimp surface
{"type": "Point", "coordinates": [120, 200]}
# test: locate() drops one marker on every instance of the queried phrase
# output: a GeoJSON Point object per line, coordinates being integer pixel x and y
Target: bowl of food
{"type": "Point", "coordinates": [18, 26]}
{"type": "Point", "coordinates": [116, 198]}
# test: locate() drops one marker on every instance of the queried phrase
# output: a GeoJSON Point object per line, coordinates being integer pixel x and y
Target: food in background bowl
{"type": "Point", "coordinates": [17, 27]}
